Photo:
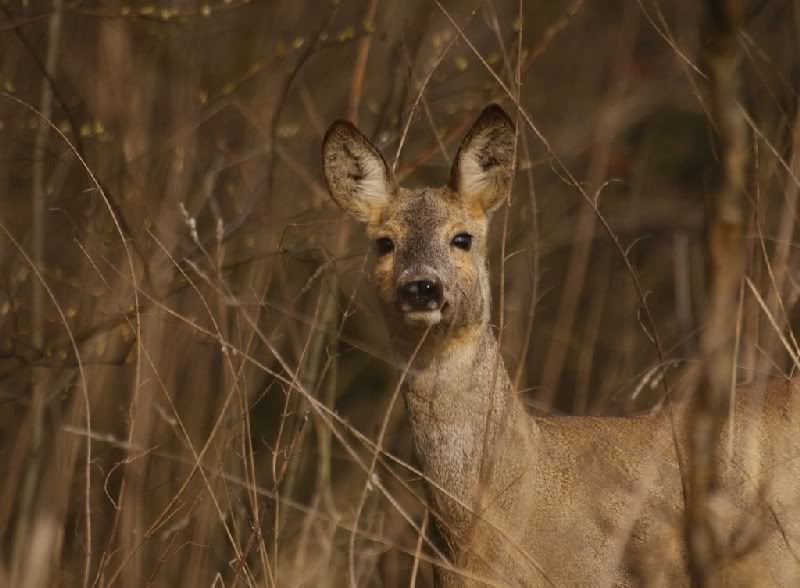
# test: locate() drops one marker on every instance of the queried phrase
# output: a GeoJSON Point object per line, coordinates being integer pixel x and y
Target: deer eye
{"type": "Point", "coordinates": [462, 241]}
{"type": "Point", "coordinates": [384, 246]}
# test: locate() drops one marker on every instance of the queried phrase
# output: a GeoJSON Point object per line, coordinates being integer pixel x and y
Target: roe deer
{"type": "Point", "coordinates": [523, 500]}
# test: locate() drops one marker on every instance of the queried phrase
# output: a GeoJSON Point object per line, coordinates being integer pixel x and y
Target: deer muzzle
{"type": "Point", "coordinates": [421, 299]}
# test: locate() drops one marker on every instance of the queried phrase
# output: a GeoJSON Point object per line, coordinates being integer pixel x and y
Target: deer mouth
{"type": "Point", "coordinates": [425, 317]}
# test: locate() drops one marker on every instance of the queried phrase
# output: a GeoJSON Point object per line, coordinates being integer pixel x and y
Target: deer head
{"type": "Point", "coordinates": [430, 243]}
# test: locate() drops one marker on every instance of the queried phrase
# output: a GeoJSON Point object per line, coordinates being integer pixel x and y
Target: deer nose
{"type": "Point", "coordinates": [420, 295]}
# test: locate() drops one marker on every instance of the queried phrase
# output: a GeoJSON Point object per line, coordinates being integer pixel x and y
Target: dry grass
{"type": "Point", "coordinates": [195, 384]}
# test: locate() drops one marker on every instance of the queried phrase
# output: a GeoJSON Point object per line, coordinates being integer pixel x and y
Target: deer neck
{"type": "Point", "coordinates": [463, 413]}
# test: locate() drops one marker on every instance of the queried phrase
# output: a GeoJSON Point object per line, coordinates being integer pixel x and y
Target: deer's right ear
{"type": "Point", "coordinates": [483, 170]}
{"type": "Point", "coordinates": [356, 173]}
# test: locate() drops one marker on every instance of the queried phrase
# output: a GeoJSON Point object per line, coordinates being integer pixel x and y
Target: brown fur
{"type": "Point", "coordinates": [569, 501]}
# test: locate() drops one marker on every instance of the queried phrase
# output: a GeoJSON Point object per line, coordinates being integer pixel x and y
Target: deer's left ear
{"type": "Point", "coordinates": [358, 177]}
{"type": "Point", "coordinates": [483, 169]}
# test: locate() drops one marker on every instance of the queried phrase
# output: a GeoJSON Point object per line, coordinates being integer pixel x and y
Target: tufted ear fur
{"type": "Point", "coordinates": [358, 178]}
{"type": "Point", "coordinates": [483, 169]}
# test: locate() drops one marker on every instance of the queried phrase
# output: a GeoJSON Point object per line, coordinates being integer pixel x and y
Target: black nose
{"type": "Point", "coordinates": [420, 295]}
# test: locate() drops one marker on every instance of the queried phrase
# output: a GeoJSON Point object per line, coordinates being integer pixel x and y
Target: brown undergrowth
{"type": "Point", "coordinates": [193, 370]}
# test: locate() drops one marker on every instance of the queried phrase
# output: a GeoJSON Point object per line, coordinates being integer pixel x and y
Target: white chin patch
{"type": "Point", "coordinates": [424, 317]}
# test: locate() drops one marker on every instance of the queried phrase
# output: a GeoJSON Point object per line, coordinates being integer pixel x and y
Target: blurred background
{"type": "Point", "coordinates": [193, 368]}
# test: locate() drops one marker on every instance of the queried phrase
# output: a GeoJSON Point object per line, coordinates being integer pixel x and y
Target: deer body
{"type": "Point", "coordinates": [519, 500]}
{"type": "Point", "coordinates": [591, 501]}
